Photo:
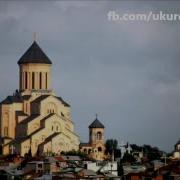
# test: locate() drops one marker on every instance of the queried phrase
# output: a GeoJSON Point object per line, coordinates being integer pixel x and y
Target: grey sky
{"type": "Point", "coordinates": [127, 72]}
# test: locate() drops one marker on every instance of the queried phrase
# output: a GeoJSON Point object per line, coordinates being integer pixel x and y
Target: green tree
{"type": "Point", "coordinates": [128, 158]}
{"type": "Point", "coordinates": [120, 169]}
{"type": "Point", "coordinates": [152, 153]}
{"type": "Point", "coordinates": [111, 146]}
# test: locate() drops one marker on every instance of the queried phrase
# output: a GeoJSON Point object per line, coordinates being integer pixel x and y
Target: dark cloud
{"type": "Point", "coordinates": [127, 72]}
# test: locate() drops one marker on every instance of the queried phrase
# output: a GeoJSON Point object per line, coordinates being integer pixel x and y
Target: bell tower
{"type": "Point", "coordinates": [34, 70]}
{"type": "Point", "coordinates": [96, 132]}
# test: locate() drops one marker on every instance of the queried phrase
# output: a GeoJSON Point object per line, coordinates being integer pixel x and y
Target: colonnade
{"type": "Point", "coordinates": [34, 80]}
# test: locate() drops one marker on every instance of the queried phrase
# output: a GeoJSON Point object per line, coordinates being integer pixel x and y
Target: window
{"type": "Point", "coordinates": [52, 128]}
{"type": "Point", "coordinates": [39, 165]}
{"type": "Point", "coordinates": [85, 150]}
{"type": "Point", "coordinates": [89, 151]}
{"type": "Point", "coordinates": [50, 111]}
{"type": "Point", "coordinates": [21, 80]}
{"type": "Point", "coordinates": [99, 149]}
{"type": "Point", "coordinates": [99, 136]}
{"type": "Point", "coordinates": [5, 131]}
{"type": "Point", "coordinates": [40, 80]}
{"type": "Point", "coordinates": [46, 80]}
{"type": "Point", "coordinates": [26, 107]}
{"type": "Point", "coordinates": [26, 80]}
{"type": "Point", "coordinates": [57, 128]}
{"type": "Point", "coordinates": [33, 80]}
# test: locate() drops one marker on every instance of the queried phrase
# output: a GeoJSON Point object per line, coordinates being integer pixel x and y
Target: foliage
{"type": "Point", "coordinates": [111, 146]}
{"type": "Point", "coordinates": [120, 169]}
{"type": "Point", "coordinates": [128, 158]}
{"type": "Point", "coordinates": [152, 153]}
{"type": "Point", "coordinates": [136, 148]}
{"type": "Point", "coordinates": [117, 153]}
{"type": "Point", "coordinates": [75, 153]}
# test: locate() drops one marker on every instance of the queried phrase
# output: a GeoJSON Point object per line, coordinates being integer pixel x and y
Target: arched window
{"type": "Point", "coordinates": [89, 151]}
{"type": "Point", "coordinates": [99, 149]}
{"type": "Point", "coordinates": [99, 135]}
{"type": "Point", "coordinates": [51, 111]}
{"type": "Point", "coordinates": [52, 128]}
{"type": "Point", "coordinates": [85, 150]}
{"type": "Point", "coordinates": [57, 128]}
{"type": "Point", "coordinates": [51, 108]}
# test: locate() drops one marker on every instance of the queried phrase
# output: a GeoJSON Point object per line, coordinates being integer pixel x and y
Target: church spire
{"type": "Point", "coordinates": [35, 55]}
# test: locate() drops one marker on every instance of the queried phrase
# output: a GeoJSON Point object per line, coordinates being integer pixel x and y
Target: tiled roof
{"type": "Point", "coordinates": [59, 158]}
{"type": "Point", "coordinates": [72, 158]}
{"type": "Point", "coordinates": [178, 142]}
{"type": "Point", "coordinates": [47, 117]}
{"type": "Point", "coordinates": [16, 98]}
{"type": "Point", "coordinates": [49, 138]}
{"type": "Point", "coordinates": [30, 118]}
{"type": "Point", "coordinates": [20, 113]}
{"type": "Point", "coordinates": [96, 124]}
{"type": "Point", "coordinates": [65, 103]}
{"type": "Point", "coordinates": [21, 139]}
{"type": "Point", "coordinates": [34, 54]}
{"type": "Point", "coordinates": [26, 97]}
{"type": "Point", "coordinates": [42, 97]}
{"type": "Point", "coordinates": [12, 99]}
{"type": "Point", "coordinates": [84, 144]}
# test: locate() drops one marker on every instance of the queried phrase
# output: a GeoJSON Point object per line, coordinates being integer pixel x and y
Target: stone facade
{"type": "Point", "coordinates": [34, 118]}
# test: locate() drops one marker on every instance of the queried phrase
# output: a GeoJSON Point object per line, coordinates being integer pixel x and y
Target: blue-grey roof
{"type": "Point", "coordinates": [16, 98]}
{"type": "Point", "coordinates": [96, 124]}
{"type": "Point", "coordinates": [12, 99]}
{"type": "Point", "coordinates": [34, 54]}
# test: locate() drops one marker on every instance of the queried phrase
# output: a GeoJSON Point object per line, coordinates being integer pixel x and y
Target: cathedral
{"type": "Point", "coordinates": [34, 118]}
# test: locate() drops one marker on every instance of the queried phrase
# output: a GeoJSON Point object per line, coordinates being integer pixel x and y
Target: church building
{"type": "Point", "coordinates": [34, 118]}
{"type": "Point", "coordinates": [95, 148]}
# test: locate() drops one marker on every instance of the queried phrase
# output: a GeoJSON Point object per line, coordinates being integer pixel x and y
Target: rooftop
{"type": "Point", "coordinates": [34, 54]}
{"type": "Point", "coordinates": [96, 124]}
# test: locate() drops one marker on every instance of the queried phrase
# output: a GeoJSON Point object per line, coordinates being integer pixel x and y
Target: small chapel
{"type": "Point", "coordinates": [34, 118]}
{"type": "Point", "coordinates": [95, 148]}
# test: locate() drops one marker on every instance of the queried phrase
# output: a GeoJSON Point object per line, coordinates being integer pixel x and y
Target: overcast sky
{"type": "Point", "coordinates": [127, 72]}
